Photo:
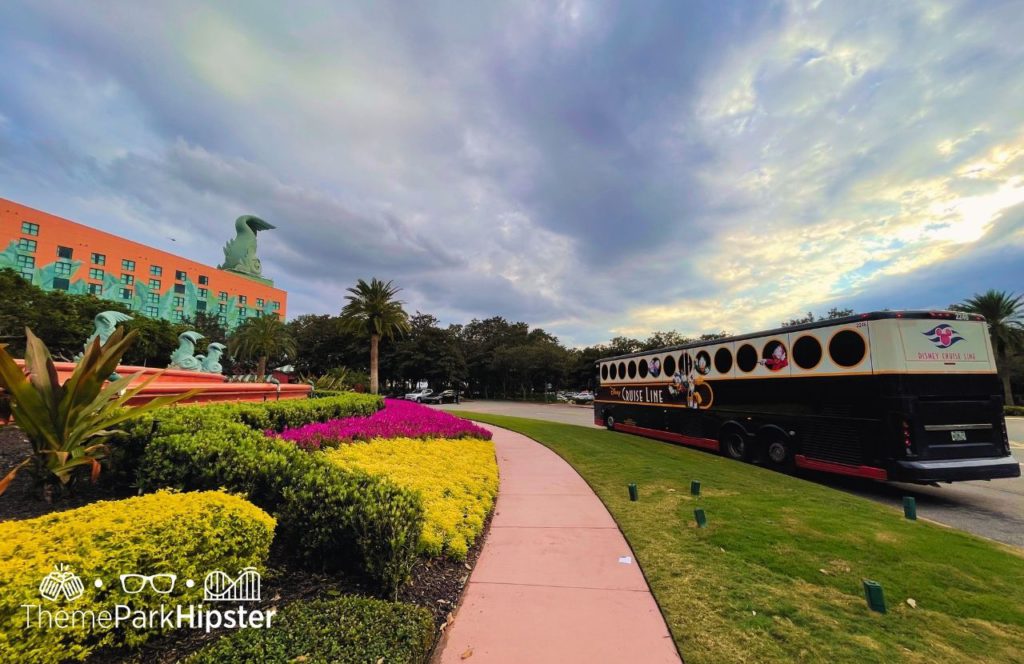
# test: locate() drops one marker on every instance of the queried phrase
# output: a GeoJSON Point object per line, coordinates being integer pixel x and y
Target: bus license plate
{"type": "Point", "coordinates": [958, 436]}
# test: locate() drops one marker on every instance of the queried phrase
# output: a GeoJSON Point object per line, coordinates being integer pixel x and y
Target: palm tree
{"type": "Point", "coordinates": [1005, 315]}
{"type": "Point", "coordinates": [372, 309]}
{"type": "Point", "coordinates": [263, 337]}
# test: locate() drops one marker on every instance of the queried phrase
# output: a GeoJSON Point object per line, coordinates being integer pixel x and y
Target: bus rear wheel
{"type": "Point", "coordinates": [609, 421]}
{"type": "Point", "coordinates": [777, 452]}
{"type": "Point", "coordinates": [734, 444]}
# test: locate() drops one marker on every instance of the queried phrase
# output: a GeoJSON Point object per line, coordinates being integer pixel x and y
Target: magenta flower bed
{"type": "Point", "coordinates": [398, 419]}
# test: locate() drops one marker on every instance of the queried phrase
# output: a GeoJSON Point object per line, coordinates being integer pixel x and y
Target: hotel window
{"type": "Point", "coordinates": [177, 316]}
{"type": "Point", "coordinates": [99, 259]}
{"type": "Point", "coordinates": [203, 292]}
{"type": "Point", "coordinates": [26, 261]}
{"type": "Point", "coordinates": [152, 312]}
{"type": "Point", "coordinates": [179, 288]}
{"type": "Point", "coordinates": [126, 293]}
{"type": "Point", "coordinates": [181, 275]}
{"type": "Point", "coordinates": [242, 299]}
{"type": "Point", "coordinates": [60, 283]}
{"type": "Point", "coordinates": [179, 301]}
{"type": "Point", "coordinates": [153, 298]}
{"type": "Point", "coordinates": [222, 296]}
{"type": "Point", "coordinates": [203, 279]}
{"type": "Point", "coordinates": [222, 319]}
{"type": "Point", "coordinates": [275, 305]}
{"type": "Point", "coordinates": [127, 265]}
{"type": "Point", "coordinates": [128, 306]}
{"type": "Point", "coordinates": [200, 306]}
{"type": "Point", "coordinates": [64, 252]}
{"type": "Point", "coordinates": [62, 269]}
{"type": "Point", "coordinates": [28, 274]}
{"type": "Point", "coordinates": [222, 308]}
{"type": "Point", "coordinates": [127, 279]}
{"type": "Point", "coordinates": [154, 283]}
{"type": "Point", "coordinates": [259, 302]}
{"type": "Point", "coordinates": [95, 273]}
{"type": "Point", "coordinates": [96, 289]}
{"type": "Point", "coordinates": [156, 270]}
{"type": "Point", "coordinates": [241, 313]}
{"type": "Point", "coordinates": [28, 228]}
{"type": "Point", "coordinates": [25, 244]}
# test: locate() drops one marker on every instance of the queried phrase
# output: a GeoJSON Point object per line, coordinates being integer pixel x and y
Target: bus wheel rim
{"type": "Point", "coordinates": [777, 452]}
{"type": "Point", "coordinates": [736, 446]}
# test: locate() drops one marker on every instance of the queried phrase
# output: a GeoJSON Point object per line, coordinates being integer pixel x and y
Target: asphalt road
{"type": "Point", "coordinates": [991, 509]}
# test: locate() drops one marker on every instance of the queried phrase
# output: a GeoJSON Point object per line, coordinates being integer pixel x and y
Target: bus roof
{"type": "Point", "coordinates": [846, 320]}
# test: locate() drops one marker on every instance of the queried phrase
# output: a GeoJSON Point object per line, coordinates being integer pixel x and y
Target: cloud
{"type": "Point", "coordinates": [592, 169]}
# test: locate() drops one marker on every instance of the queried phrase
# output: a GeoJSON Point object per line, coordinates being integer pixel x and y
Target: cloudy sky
{"type": "Point", "coordinates": [594, 168]}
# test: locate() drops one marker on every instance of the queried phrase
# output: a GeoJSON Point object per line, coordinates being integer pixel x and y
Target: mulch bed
{"type": "Point", "coordinates": [437, 584]}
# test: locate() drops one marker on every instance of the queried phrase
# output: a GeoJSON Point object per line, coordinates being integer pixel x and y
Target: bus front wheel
{"type": "Point", "coordinates": [734, 444]}
{"type": "Point", "coordinates": [609, 421]}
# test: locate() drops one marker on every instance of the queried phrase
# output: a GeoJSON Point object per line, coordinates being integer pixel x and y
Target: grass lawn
{"type": "Point", "coordinates": [776, 575]}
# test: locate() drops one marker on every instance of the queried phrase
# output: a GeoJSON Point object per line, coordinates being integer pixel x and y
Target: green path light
{"type": "Point", "coordinates": [702, 519]}
{"type": "Point", "coordinates": [634, 494]}
{"type": "Point", "coordinates": [910, 507]}
{"type": "Point", "coordinates": [695, 487]}
{"type": "Point", "coordinates": [873, 594]}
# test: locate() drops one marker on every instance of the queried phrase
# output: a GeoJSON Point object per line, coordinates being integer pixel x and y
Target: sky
{"type": "Point", "coordinates": [592, 168]}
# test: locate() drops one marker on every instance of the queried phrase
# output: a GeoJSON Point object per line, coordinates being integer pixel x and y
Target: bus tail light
{"type": "Point", "coordinates": [908, 443]}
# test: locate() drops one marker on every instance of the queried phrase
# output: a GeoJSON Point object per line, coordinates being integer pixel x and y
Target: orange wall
{"type": "Point", "coordinates": [84, 241]}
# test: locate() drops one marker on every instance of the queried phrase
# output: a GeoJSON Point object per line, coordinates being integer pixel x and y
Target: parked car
{"type": "Point", "coordinates": [419, 395]}
{"type": "Point", "coordinates": [585, 396]}
{"type": "Point", "coordinates": [448, 396]}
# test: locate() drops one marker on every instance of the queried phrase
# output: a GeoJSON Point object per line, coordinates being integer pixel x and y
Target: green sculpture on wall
{"type": "Point", "coordinates": [240, 253]}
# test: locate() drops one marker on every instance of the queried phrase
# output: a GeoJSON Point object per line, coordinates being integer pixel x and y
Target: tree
{"type": "Point", "coordinates": [1005, 315]}
{"type": "Point", "coordinates": [262, 338]}
{"type": "Point", "coordinates": [372, 309]}
{"type": "Point", "coordinates": [325, 345]}
{"type": "Point", "coordinates": [834, 312]}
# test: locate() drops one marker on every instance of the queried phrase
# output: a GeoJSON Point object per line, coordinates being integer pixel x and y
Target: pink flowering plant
{"type": "Point", "coordinates": [398, 419]}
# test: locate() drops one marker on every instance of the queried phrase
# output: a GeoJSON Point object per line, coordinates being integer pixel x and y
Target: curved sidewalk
{"type": "Point", "coordinates": [553, 583]}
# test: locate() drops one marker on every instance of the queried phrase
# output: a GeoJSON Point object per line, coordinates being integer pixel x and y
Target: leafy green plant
{"type": "Point", "coordinates": [68, 424]}
{"type": "Point", "coordinates": [347, 629]}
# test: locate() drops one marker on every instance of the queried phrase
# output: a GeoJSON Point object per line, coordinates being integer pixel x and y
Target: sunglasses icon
{"type": "Point", "coordinates": [134, 584]}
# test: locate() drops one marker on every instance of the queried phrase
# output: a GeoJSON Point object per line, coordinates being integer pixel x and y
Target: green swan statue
{"type": "Point", "coordinates": [240, 253]}
{"type": "Point", "coordinates": [184, 356]}
{"type": "Point", "coordinates": [104, 325]}
{"type": "Point", "coordinates": [211, 363]}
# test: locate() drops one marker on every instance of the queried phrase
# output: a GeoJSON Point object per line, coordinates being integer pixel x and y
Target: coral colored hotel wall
{"type": "Point", "coordinates": [57, 254]}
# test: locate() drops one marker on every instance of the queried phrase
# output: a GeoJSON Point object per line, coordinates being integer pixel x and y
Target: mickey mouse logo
{"type": "Point", "coordinates": [943, 335]}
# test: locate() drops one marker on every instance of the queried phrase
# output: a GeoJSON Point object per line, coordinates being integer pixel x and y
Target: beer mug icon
{"type": "Point", "coordinates": [61, 581]}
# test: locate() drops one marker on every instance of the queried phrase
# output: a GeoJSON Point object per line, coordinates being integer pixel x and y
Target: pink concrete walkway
{"type": "Point", "coordinates": [550, 585]}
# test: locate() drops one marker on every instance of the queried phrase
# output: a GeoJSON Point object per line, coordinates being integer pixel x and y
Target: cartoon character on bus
{"type": "Point", "coordinates": [777, 358]}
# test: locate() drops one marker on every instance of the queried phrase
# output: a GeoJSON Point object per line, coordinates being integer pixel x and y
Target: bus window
{"type": "Point", "coordinates": [723, 360]}
{"type": "Point", "coordinates": [807, 352]}
{"type": "Point", "coordinates": [670, 365]}
{"type": "Point", "coordinates": [642, 368]}
{"type": "Point", "coordinates": [622, 370]}
{"type": "Point", "coordinates": [847, 348]}
{"type": "Point", "coordinates": [746, 358]}
{"type": "Point", "coordinates": [613, 372]}
{"type": "Point", "coordinates": [632, 369]}
{"type": "Point", "coordinates": [604, 372]}
{"type": "Point", "coordinates": [687, 363]}
{"type": "Point", "coordinates": [703, 363]}
{"type": "Point", "coordinates": [774, 356]}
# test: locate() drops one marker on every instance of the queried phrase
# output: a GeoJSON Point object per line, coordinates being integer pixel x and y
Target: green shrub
{"type": "Point", "coordinates": [1017, 411]}
{"type": "Point", "coordinates": [349, 629]}
{"type": "Point", "coordinates": [328, 518]}
{"type": "Point", "coordinates": [188, 535]}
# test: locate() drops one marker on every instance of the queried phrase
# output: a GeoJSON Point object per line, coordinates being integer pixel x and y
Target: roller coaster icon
{"type": "Point", "coordinates": [219, 587]}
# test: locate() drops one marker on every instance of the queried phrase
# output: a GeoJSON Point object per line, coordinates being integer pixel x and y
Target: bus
{"type": "Point", "coordinates": [908, 396]}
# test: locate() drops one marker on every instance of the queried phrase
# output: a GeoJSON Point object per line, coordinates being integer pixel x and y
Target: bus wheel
{"type": "Point", "coordinates": [777, 452]}
{"type": "Point", "coordinates": [734, 444]}
{"type": "Point", "coordinates": [609, 421]}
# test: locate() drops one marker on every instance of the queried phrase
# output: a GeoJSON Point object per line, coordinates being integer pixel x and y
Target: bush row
{"type": "Point", "coordinates": [188, 535]}
{"type": "Point", "coordinates": [457, 481]}
{"type": "Point", "coordinates": [349, 629]}
{"type": "Point", "coordinates": [328, 518]}
{"type": "Point", "coordinates": [1017, 411]}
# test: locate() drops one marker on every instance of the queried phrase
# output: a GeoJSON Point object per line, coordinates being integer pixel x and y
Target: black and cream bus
{"type": "Point", "coordinates": [908, 396]}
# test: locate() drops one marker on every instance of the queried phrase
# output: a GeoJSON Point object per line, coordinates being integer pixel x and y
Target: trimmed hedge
{"type": "Point", "coordinates": [1017, 411]}
{"type": "Point", "coordinates": [189, 534]}
{"type": "Point", "coordinates": [328, 518]}
{"type": "Point", "coordinates": [350, 629]}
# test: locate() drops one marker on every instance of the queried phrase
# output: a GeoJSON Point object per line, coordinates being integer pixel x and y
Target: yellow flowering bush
{"type": "Point", "coordinates": [457, 480]}
{"type": "Point", "coordinates": [53, 561]}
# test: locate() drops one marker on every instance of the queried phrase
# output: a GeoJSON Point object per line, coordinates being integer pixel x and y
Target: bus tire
{"type": "Point", "coordinates": [609, 420]}
{"type": "Point", "coordinates": [778, 451]}
{"type": "Point", "coordinates": [734, 443]}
